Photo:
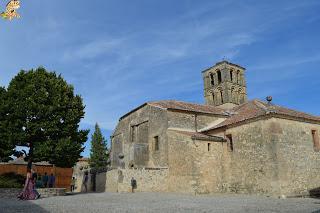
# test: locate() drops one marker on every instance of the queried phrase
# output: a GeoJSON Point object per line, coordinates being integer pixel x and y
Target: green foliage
{"type": "Point", "coordinates": [6, 147]}
{"type": "Point", "coordinates": [11, 180]}
{"type": "Point", "coordinates": [44, 113]}
{"type": "Point", "coordinates": [99, 152]}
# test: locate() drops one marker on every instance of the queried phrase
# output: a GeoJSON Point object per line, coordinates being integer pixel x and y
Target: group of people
{"type": "Point", "coordinates": [45, 181]}
{"type": "Point", "coordinates": [34, 181]}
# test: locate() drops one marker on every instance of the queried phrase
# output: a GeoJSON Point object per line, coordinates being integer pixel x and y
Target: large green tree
{"type": "Point", "coordinates": [99, 152]}
{"type": "Point", "coordinates": [43, 113]}
{"type": "Point", "coordinates": [6, 146]}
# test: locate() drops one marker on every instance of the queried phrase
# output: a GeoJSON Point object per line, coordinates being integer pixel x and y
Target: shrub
{"type": "Point", "coordinates": [11, 180]}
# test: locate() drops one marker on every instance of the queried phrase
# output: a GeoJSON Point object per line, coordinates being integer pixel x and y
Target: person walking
{"type": "Point", "coordinates": [73, 183]}
{"type": "Point", "coordinates": [29, 192]}
{"type": "Point", "coordinates": [52, 181]}
{"type": "Point", "coordinates": [45, 180]}
{"type": "Point", "coordinates": [85, 181]}
{"type": "Point", "coordinates": [133, 184]}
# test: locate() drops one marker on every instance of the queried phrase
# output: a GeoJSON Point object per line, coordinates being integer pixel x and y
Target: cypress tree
{"type": "Point", "coordinates": [99, 152]}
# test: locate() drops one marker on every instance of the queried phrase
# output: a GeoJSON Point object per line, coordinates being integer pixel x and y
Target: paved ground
{"type": "Point", "coordinates": [159, 202]}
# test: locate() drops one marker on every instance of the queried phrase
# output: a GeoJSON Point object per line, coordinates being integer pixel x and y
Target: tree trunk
{"type": "Point", "coordinates": [29, 166]}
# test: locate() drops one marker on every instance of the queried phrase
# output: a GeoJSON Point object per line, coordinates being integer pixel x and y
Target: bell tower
{"type": "Point", "coordinates": [225, 85]}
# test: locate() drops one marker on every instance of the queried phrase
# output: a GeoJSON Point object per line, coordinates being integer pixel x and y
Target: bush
{"type": "Point", "coordinates": [11, 180]}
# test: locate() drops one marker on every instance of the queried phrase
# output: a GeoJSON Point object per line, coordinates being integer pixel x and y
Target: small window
{"type": "Point", "coordinates": [219, 76]}
{"type": "Point", "coordinates": [209, 144]}
{"type": "Point", "coordinates": [212, 79]}
{"type": "Point", "coordinates": [315, 138]}
{"type": "Point", "coordinates": [230, 143]}
{"type": "Point", "coordinates": [231, 75]}
{"type": "Point", "coordinates": [156, 143]}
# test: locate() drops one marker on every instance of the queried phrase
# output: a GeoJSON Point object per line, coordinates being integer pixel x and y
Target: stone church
{"type": "Point", "coordinates": [229, 144]}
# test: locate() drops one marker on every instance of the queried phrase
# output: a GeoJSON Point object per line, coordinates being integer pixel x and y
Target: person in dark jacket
{"type": "Point", "coordinates": [133, 184]}
{"type": "Point", "coordinates": [85, 181]}
{"type": "Point", "coordinates": [52, 181]}
{"type": "Point", "coordinates": [45, 180]}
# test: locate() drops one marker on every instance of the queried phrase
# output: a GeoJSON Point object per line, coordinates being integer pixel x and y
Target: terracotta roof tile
{"type": "Point", "coordinates": [179, 105]}
{"type": "Point", "coordinates": [257, 108]}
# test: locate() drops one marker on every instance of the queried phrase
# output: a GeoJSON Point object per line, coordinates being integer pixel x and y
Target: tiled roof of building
{"type": "Point", "coordinates": [257, 108]}
{"type": "Point", "coordinates": [185, 106]}
{"type": "Point", "coordinates": [200, 136]}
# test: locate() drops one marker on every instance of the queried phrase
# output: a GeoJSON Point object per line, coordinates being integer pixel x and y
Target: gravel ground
{"type": "Point", "coordinates": [159, 202]}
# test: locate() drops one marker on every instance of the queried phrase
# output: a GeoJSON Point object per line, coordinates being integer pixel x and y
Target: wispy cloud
{"type": "Point", "coordinates": [125, 54]}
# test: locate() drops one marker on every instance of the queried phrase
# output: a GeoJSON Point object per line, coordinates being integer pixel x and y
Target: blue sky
{"type": "Point", "coordinates": [119, 54]}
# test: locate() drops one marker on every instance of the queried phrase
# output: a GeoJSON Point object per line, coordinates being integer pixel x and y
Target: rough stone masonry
{"type": "Point", "coordinates": [228, 145]}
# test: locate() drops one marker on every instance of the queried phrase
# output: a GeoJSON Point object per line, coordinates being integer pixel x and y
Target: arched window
{"type": "Point", "coordinates": [231, 75]}
{"type": "Point", "coordinates": [212, 79]}
{"type": "Point", "coordinates": [238, 77]}
{"type": "Point", "coordinates": [219, 76]}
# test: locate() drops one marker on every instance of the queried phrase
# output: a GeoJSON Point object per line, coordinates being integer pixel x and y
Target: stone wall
{"type": "Point", "coordinates": [196, 166]}
{"type": "Point", "coordinates": [253, 166]}
{"type": "Point", "coordinates": [271, 156]}
{"type": "Point", "coordinates": [79, 187]}
{"type": "Point", "coordinates": [190, 121]}
{"type": "Point", "coordinates": [51, 192]}
{"type": "Point", "coordinates": [299, 163]}
{"type": "Point", "coordinates": [134, 138]}
{"type": "Point", "coordinates": [148, 180]}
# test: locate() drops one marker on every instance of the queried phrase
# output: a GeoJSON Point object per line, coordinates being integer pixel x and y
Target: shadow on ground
{"type": "Point", "coordinates": [9, 203]}
{"type": "Point", "coordinates": [15, 205]}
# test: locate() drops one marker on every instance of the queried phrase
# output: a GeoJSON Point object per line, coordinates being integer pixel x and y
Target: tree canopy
{"type": "Point", "coordinates": [43, 113]}
{"type": "Point", "coordinates": [99, 151]}
{"type": "Point", "coordinates": [6, 147]}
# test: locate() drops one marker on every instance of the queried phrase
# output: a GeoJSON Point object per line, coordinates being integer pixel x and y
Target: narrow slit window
{"type": "Point", "coordinates": [221, 96]}
{"type": "Point", "coordinates": [156, 143]}
{"type": "Point", "coordinates": [315, 138]}
{"type": "Point", "coordinates": [209, 147]}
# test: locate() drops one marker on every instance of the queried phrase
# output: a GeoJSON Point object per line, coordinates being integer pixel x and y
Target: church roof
{"type": "Point", "coordinates": [180, 105]}
{"type": "Point", "coordinates": [185, 106]}
{"type": "Point", "coordinates": [256, 108]}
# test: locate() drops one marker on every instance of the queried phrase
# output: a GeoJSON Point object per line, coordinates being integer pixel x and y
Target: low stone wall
{"type": "Point", "coordinates": [148, 180]}
{"type": "Point", "coordinates": [51, 192]}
